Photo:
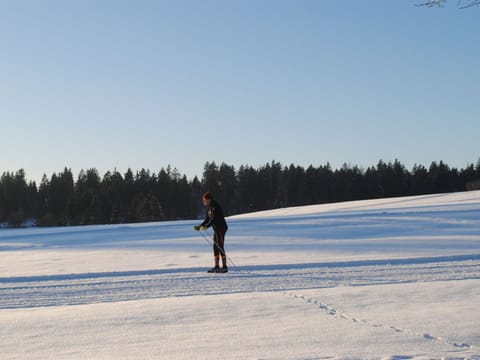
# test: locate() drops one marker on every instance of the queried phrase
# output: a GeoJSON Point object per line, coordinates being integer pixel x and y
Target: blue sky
{"type": "Point", "coordinates": [144, 84]}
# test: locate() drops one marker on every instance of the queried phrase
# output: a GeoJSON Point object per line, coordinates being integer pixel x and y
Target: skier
{"type": "Point", "coordinates": [215, 219]}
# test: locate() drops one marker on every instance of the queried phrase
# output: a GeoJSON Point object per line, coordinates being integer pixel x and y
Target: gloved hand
{"type": "Point", "coordinates": [203, 228]}
{"type": "Point", "coordinates": [197, 228]}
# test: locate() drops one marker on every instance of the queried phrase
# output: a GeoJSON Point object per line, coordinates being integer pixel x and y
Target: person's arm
{"type": "Point", "coordinates": [208, 222]}
{"type": "Point", "coordinates": [205, 224]}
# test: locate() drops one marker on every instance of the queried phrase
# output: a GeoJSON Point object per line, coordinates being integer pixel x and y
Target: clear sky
{"type": "Point", "coordinates": [143, 84]}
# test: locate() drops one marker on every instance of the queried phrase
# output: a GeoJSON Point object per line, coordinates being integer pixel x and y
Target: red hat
{"type": "Point", "coordinates": [207, 196]}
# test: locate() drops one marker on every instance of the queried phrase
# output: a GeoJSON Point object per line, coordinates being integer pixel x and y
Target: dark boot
{"type": "Point", "coordinates": [216, 268]}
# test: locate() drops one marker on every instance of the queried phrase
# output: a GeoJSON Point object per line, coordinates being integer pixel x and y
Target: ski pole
{"type": "Point", "coordinates": [230, 262]}
{"type": "Point", "coordinates": [223, 252]}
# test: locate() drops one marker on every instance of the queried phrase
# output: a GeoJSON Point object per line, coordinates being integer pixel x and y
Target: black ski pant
{"type": "Point", "coordinates": [219, 242]}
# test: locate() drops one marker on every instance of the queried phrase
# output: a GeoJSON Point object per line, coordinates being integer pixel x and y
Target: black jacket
{"type": "Point", "coordinates": [215, 217]}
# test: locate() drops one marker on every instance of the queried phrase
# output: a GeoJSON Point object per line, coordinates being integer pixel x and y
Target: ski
{"type": "Point", "coordinates": [218, 270]}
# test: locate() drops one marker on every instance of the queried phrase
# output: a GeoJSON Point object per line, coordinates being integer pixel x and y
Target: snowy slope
{"type": "Point", "coordinates": [390, 278]}
{"type": "Point", "coordinates": [435, 202]}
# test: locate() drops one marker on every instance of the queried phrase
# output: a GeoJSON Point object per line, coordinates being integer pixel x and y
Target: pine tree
{"type": "Point", "coordinates": [210, 178]}
{"type": "Point", "coordinates": [420, 180]}
{"type": "Point", "coordinates": [227, 183]}
{"type": "Point", "coordinates": [195, 195]}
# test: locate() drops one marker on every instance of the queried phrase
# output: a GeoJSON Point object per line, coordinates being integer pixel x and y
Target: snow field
{"type": "Point", "coordinates": [381, 279]}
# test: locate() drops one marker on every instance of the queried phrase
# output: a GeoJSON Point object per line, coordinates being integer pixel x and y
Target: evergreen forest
{"type": "Point", "coordinates": [142, 196]}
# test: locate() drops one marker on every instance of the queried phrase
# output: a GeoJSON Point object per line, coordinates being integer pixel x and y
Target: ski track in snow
{"type": "Point", "coordinates": [330, 310]}
{"type": "Point", "coordinates": [88, 288]}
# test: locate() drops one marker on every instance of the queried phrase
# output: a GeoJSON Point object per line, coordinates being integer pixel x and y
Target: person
{"type": "Point", "coordinates": [216, 220]}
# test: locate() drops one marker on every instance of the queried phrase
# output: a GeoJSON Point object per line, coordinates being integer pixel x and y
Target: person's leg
{"type": "Point", "coordinates": [221, 245]}
{"type": "Point", "coordinates": [216, 251]}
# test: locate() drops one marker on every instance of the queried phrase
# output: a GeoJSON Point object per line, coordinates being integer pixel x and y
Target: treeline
{"type": "Point", "coordinates": [91, 199]}
{"type": "Point", "coordinates": [167, 195]}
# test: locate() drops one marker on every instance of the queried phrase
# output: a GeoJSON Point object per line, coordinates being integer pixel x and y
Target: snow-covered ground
{"type": "Point", "coordinates": [391, 278]}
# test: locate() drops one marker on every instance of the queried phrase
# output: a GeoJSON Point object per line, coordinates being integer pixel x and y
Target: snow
{"type": "Point", "coordinates": [391, 278]}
